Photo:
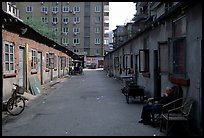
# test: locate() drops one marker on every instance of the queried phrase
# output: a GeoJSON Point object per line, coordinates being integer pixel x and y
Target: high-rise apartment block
{"type": "Point", "coordinates": [82, 26]}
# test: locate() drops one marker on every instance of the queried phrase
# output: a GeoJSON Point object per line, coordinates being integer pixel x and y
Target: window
{"type": "Point", "coordinates": [97, 41]}
{"type": "Point", "coordinates": [97, 19]}
{"type": "Point", "coordinates": [76, 9]}
{"type": "Point", "coordinates": [75, 30]}
{"type": "Point", "coordinates": [51, 60]}
{"type": "Point", "coordinates": [47, 61]}
{"type": "Point", "coordinates": [44, 19]}
{"type": "Point", "coordinates": [106, 42]}
{"type": "Point", "coordinates": [179, 46]}
{"type": "Point", "coordinates": [29, 9]}
{"type": "Point", "coordinates": [55, 9]}
{"type": "Point", "coordinates": [65, 40]}
{"type": "Point", "coordinates": [44, 9]}
{"type": "Point", "coordinates": [144, 60]}
{"type": "Point", "coordinates": [9, 58]}
{"type": "Point", "coordinates": [76, 19]}
{"type": "Point", "coordinates": [65, 9]}
{"type": "Point", "coordinates": [97, 30]}
{"type": "Point", "coordinates": [97, 8]}
{"type": "Point", "coordinates": [65, 19]}
{"type": "Point", "coordinates": [63, 62]}
{"type": "Point", "coordinates": [76, 41]}
{"type": "Point", "coordinates": [65, 30]}
{"type": "Point", "coordinates": [34, 60]}
{"type": "Point", "coordinates": [76, 50]}
{"type": "Point", "coordinates": [54, 19]}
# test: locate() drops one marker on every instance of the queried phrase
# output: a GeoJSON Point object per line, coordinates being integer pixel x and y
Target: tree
{"type": "Point", "coordinates": [42, 28]}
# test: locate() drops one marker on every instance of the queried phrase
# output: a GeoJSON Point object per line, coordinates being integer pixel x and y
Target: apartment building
{"type": "Point", "coordinates": [82, 26]}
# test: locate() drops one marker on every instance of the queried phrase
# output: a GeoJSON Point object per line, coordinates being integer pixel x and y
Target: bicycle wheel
{"type": "Point", "coordinates": [15, 105]}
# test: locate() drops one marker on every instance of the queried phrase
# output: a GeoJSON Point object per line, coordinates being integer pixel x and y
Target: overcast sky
{"type": "Point", "coordinates": [120, 13]}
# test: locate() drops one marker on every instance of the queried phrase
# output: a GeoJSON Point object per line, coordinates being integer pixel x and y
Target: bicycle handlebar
{"type": "Point", "coordinates": [15, 84]}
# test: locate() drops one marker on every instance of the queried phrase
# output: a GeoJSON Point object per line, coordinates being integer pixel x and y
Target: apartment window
{"type": "Point", "coordinates": [76, 41]}
{"type": "Point", "coordinates": [97, 51]}
{"type": "Point", "coordinates": [44, 9]}
{"type": "Point", "coordinates": [44, 19]}
{"type": "Point", "coordinates": [54, 19]}
{"type": "Point", "coordinates": [65, 9]}
{"type": "Point", "coordinates": [76, 9]}
{"type": "Point", "coordinates": [55, 29]}
{"type": "Point", "coordinates": [97, 19]}
{"type": "Point", "coordinates": [97, 30]}
{"type": "Point", "coordinates": [76, 50]}
{"type": "Point", "coordinates": [65, 20]}
{"type": "Point", "coordinates": [29, 9]}
{"type": "Point", "coordinates": [65, 40]}
{"type": "Point", "coordinates": [34, 60]}
{"type": "Point", "coordinates": [98, 9]}
{"type": "Point", "coordinates": [9, 58]}
{"type": "Point", "coordinates": [65, 30]}
{"type": "Point", "coordinates": [106, 42]}
{"type": "Point", "coordinates": [55, 9]}
{"type": "Point", "coordinates": [76, 19]}
{"type": "Point", "coordinates": [179, 46]}
{"type": "Point", "coordinates": [97, 40]}
{"type": "Point", "coordinates": [76, 30]}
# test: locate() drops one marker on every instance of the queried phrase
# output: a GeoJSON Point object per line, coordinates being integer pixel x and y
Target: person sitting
{"type": "Point", "coordinates": [149, 108]}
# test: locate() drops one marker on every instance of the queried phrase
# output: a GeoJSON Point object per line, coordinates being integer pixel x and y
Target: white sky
{"type": "Point", "coordinates": [120, 13]}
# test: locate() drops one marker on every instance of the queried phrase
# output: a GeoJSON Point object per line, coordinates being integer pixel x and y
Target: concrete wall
{"type": "Point", "coordinates": [164, 32]}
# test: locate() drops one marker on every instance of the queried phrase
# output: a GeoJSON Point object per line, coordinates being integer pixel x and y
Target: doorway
{"type": "Point", "coordinates": [157, 76]}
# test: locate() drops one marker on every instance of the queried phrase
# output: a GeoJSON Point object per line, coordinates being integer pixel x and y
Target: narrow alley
{"type": "Point", "coordinates": [80, 105]}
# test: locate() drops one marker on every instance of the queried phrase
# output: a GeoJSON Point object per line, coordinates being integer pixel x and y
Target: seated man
{"type": "Point", "coordinates": [148, 108]}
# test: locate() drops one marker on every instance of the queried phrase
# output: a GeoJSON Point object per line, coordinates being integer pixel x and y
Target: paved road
{"type": "Point", "coordinates": [81, 105]}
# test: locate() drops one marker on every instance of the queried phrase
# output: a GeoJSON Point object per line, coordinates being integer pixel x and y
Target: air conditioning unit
{"type": "Point", "coordinates": [66, 33]}
{"type": "Point", "coordinates": [54, 23]}
{"type": "Point", "coordinates": [70, 11]}
{"type": "Point", "coordinates": [75, 33]}
{"type": "Point", "coordinates": [54, 12]}
{"type": "Point", "coordinates": [42, 3]}
{"type": "Point", "coordinates": [74, 12]}
{"type": "Point", "coordinates": [75, 23]}
{"type": "Point", "coordinates": [45, 12]}
{"type": "Point", "coordinates": [67, 2]}
{"type": "Point", "coordinates": [74, 45]}
{"type": "Point", "coordinates": [65, 22]}
{"type": "Point", "coordinates": [57, 2]}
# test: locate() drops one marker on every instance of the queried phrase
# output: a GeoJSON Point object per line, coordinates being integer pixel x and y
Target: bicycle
{"type": "Point", "coordinates": [16, 103]}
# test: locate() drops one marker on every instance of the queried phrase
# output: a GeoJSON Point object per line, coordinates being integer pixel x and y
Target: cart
{"type": "Point", "coordinates": [132, 90]}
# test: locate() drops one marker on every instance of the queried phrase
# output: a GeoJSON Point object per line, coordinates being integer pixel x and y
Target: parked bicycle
{"type": "Point", "coordinates": [16, 103]}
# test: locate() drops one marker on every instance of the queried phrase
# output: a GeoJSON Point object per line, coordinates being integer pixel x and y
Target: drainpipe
{"type": "Point", "coordinates": [1, 68]}
{"type": "Point", "coordinates": [202, 82]}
